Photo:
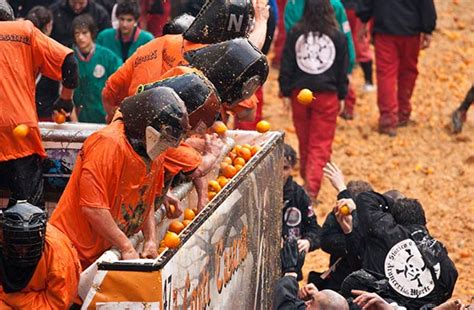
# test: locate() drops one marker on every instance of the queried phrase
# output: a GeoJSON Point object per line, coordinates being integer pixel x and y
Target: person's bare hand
{"type": "Point", "coordinates": [149, 250]}
{"type": "Point", "coordinates": [213, 144]}
{"type": "Point", "coordinates": [197, 142]}
{"type": "Point", "coordinates": [363, 32]}
{"type": "Point", "coordinates": [172, 205]}
{"type": "Point", "coordinates": [370, 301]}
{"type": "Point", "coordinates": [345, 221]}
{"type": "Point", "coordinates": [303, 245]}
{"type": "Point", "coordinates": [262, 10]}
{"type": "Point", "coordinates": [307, 292]}
{"type": "Point", "coordinates": [129, 253]}
{"type": "Point", "coordinates": [335, 175]}
{"type": "Point", "coordinates": [425, 40]}
{"type": "Point", "coordinates": [455, 304]}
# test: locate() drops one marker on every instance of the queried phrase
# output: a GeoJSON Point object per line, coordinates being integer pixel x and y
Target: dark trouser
{"type": "Point", "coordinates": [24, 178]}
{"type": "Point", "coordinates": [468, 100]}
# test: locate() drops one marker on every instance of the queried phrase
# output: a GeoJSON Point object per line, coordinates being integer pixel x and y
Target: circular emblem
{"type": "Point", "coordinates": [292, 217]}
{"type": "Point", "coordinates": [99, 71]}
{"type": "Point", "coordinates": [315, 54]}
{"type": "Point", "coordinates": [406, 271]}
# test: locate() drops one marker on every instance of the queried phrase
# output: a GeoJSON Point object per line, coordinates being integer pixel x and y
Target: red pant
{"type": "Point", "coordinates": [251, 125]}
{"type": "Point", "coordinates": [362, 46]}
{"type": "Point", "coordinates": [350, 100]}
{"type": "Point", "coordinates": [396, 59]}
{"type": "Point", "coordinates": [281, 34]}
{"type": "Point", "coordinates": [315, 128]}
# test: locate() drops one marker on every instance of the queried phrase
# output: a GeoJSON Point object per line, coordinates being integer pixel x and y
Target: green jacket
{"type": "Point", "coordinates": [294, 11]}
{"type": "Point", "coordinates": [94, 70]}
{"type": "Point", "coordinates": [109, 38]}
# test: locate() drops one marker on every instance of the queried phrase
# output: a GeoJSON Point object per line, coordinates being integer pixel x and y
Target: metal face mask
{"type": "Point", "coordinates": [157, 142]}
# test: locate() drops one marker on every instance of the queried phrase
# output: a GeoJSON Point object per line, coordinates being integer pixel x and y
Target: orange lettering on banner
{"type": "Point", "coordinates": [219, 253]}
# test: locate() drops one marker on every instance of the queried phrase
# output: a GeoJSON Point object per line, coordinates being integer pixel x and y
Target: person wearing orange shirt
{"type": "Point", "coordinates": [24, 53]}
{"type": "Point", "coordinates": [117, 176]}
{"type": "Point", "coordinates": [39, 267]}
{"type": "Point", "coordinates": [217, 21]}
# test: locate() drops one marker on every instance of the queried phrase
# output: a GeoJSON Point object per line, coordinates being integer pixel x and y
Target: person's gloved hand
{"type": "Point", "coordinates": [63, 104]}
{"type": "Point", "coordinates": [289, 256]}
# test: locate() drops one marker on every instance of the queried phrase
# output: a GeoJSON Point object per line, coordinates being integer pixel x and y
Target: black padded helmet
{"type": "Point", "coordinates": [178, 24]}
{"type": "Point", "coordinates": [235, 67]}
{"type": "Point", "coordinates": [221, 20]}
{"type": "Point", "coordinates": [199, 95]}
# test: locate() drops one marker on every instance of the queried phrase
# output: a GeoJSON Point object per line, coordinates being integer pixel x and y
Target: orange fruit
{"type": "Point", "coordinates": [171, 209]}
{"type": "Point", "coordinates": [222, 180]}
{"type": "Point", "coordinates": [345, 210]}
{"type": "Point", "coordinates": [247, 146]}
{"type": "Point", "coordinates": [186, 222]}
{"type": "Point", "coordinates": [239, 161]}
{"type": "Point", "coordinates": [171, 240]}
{"type": "Point", "coordinates": [176, 227]}
{"type": "Point", "coordinates": [162, 244]}
{"type": "Point", "coordinates": [211, 195]}
{"type": "Point", "coordinates": [245, 153]}
{"type": "Point", "coordinates": [161, 250]}
{"type": "Point", "coordinates": [238, 167]}
{"type": "Point", "coordinates": [219, 127]}
{"type": "Point", "coordinates": [255, 149]}
{"type": "Point", "coordinates": [232, 155]}
{"type": "Point", "coordinates": [223, 165]}
{"type": "Point", "coordinates": [236, 149]}
{"type": "Point", "coordinates": [21, 131]}
{"type": "Point", "coordinates": [263, 126]}
{"type": "Point", "coordinates": [305, 96]}
{"type": "Point", "coordinates": [189, 214]}
{"type": "Point", "coordinates": [229, 171]}
{"type": "Point", "coordinates": [227, 159]}
{"type": "Point", "coordinates": [59, 117]}
{"type": "Point", "coordinates": [196, 211]}
{"type": "Point", "coordinates": [213, 186]}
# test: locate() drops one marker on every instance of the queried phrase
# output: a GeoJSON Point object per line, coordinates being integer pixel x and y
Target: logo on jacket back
{"type": "Point", "coordinates": [406, 271]}
{"type": "Point", "coordinates": [315, 54]}
{"type": "Point", "coordinates": [292, 217]}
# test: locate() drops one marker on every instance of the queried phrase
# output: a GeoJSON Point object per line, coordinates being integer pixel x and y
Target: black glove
{"type": "Point", "coordinates": [289, 256]}
{"type": "Point", "coordinates": [64, 104]}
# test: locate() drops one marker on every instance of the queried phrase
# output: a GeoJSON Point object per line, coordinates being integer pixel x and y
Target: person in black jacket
{"type": "Point", "coordinates": [286, 295]}
{"type": "Point", "coordinates": [64, 12]}
{"type": "Point", "coordinates": [401, 28]}
{"type": "Point", "coordinates": [315, 57]}
{"type": "Point", "coordinates": [299, 221]}
{"type": "Point", "coordinates": [402, 262]}
{"type": "Point", "coordinates": [340, 235]}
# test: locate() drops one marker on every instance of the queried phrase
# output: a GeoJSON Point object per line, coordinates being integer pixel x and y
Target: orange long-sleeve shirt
{"type": "Point", "coordinates": [55, 280]}
{"type": "Point", "coordinates": [24, 52]}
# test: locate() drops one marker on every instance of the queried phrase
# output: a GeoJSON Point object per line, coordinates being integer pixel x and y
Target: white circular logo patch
{"type": "Point", "coordinates": [315, 54]}
{"type": "Point", "coordinates": [292, 217]}
{"type": "Point", "coordinates": [99, 71]}
{"type": "Point", "coordinates": [406, 271]}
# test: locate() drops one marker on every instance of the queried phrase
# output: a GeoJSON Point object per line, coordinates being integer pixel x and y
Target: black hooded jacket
{"type": "Point", "coordinates": [299, 220]}
{"type": "Point", "coordinates": [63, 16]}
{"type": "Point", "coordinates": [415, 266]}
{"type": "Point", "coordinates": [399, 17]}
